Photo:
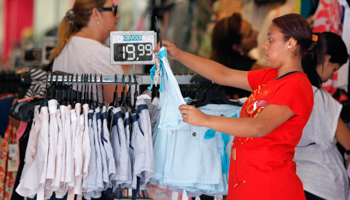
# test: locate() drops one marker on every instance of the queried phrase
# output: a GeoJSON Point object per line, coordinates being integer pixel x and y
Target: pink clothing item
{"type": "Point", "coordinates": [70, 123]}
{"type": "Point", "coordinates": [26, 99]}
{"type": "Point", "coordinates": [32, 141]}
{"type": "Point", "coordinates": [21, 129]}
{"type": "Point", "coordinates": [78, 154]}
{"type": "Point", "coordinates": [86, 141]}
{"type": "Point", "coordinates": [33, 179]}
{"type": "Point", "coordinates": [61, 191]}
{"type": "Point", "coordinates": [60, 141]}
{"type": "Point", "coordinates": [51, 161]}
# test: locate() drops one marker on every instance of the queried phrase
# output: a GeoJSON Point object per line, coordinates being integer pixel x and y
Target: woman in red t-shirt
{"type": "Point", "coordinates": [273, 117]}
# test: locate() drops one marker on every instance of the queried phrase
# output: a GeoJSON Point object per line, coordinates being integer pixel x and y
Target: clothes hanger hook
{"type": "Point", "coordinates": [103, 93]}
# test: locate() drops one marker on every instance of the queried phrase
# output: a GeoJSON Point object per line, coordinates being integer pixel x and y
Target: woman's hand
{"type": "Point", "coordinates": [172, 50]}
{"type": "Point", "coordinates": [192, 115]}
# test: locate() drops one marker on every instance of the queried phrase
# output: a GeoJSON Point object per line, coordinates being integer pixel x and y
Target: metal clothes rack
{"type": "Point", "coordinates": [136, 80]}
{"type": "Point", "coordinates": [133, 79]}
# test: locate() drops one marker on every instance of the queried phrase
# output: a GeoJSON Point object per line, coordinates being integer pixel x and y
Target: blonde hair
{"type": "Point", "coordinates": [74, 20]}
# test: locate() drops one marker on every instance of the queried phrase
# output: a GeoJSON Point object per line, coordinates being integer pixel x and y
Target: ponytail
{"type": "Point", "coordinates": [314, 57]}
{"type": "Point", "coordinates": [65, 32]}
{"type": "Point", "coordinates": [74, 20]}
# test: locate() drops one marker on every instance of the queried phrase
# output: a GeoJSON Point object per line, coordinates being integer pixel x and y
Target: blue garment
{"type": "Point", "coordinates": [98, 134]}
{"type": "Point", "coordinates": [170, 96]}
{"type": "Point", "coordinates": [120, 149]}
{"type": "Point", "coordinates": [144, 121]}
{"type": "Point", "coordinates": [186, 160]}
{"type": "Point", "coordinates": [210, 133]}
{"type": "Point", "coordinates": [5, 106]}
{"type": "Point", "coordinates": [127, 127]}
{"type": "Point", "coordinates": [93, 182]}
{"type": "Point", "coordinates": [105, 135]}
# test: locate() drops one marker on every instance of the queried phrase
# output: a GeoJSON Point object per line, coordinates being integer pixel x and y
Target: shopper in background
{"type": "Point", "coordinates": [232, 40]}
{"type": "Point", "coordinates": [81, 35]}
{"type": "Point", "coordinates": [273, 117]}
{"type": "Point", "coordinates": [319, 163]}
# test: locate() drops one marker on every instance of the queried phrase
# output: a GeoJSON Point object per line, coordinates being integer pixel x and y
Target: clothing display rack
{"type": "Point", "coordinates": [133, 79]}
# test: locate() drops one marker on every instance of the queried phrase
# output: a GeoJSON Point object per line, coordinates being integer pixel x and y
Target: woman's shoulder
{"type": "Point", "coordinates": [322, 97]}
{"type": "Point", "coordinates": [266, 74]}
{"type": "Point", "coordinates": [262, 76]}
{"type": "Point", "coordinates": [88, 47]}
{"type": "Point", "coordinates": [87, 43]}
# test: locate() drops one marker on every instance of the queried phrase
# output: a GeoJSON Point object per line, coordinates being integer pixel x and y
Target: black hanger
{"type": "Point", "coordinates": [97, 102]}
{"type": "Point", "coordinates": [72, 92]}
{"type": "Point", "coordinates": [123, 95]}
{"type": "Point", "coordinates": [81, 93]}
{"type": "Point", "coordinates": [87, 89]}
{"type": "Point", "coordinates": [27, 112]}
{"type": "Point", "coordinates": [46, 92]}
{"type": "Point", "coordinates": [53, 87]}
{"type": "Point", "coordinates": [199, 92]}
{"type": "Point", "coordinates": [91, 98]}
{"type": "Point", "coordinates": [78, 96]}
{"type": "Point", "coordinates": [136, 93]}
{"type": "Point", "coordinates": [59, 91]}
{"type": "Point", "coordinates": [103, 92]}
{"type": "Point", "coordinates": [16, 109]}
{"type": "Point", "coordinates": [68, 90]}
{"type": "Point", "coordinates": [83, 89]}
{"type": "Point", "coordinates": [65, 89]}
{"type": "Point", "coordinates": [128, 95]}
{"type": "Point", "coordinates": [213, 97]}
{"type": "Point", "coordinates": [115, 96]}
{"type": "Point", "coordinates": [86, 100]}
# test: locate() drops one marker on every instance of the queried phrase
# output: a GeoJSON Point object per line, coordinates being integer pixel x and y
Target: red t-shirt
{"type": "Point", "coordinates": [262, 168]}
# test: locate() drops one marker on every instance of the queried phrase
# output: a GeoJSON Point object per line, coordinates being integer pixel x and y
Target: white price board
{"type": "Point", "coordinates": [132, 47]}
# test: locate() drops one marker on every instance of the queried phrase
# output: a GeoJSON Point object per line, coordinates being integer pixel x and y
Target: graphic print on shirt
{"type": "Point", "coordinates": [253, 107]}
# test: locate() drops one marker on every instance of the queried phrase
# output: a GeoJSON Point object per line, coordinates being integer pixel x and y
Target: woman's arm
{"type": "Point", "coordinates": [269, 119]}
{"type": "Point", "coordinates": [208, 68]}
{"type": "Point", "coordinates": [342, 134]}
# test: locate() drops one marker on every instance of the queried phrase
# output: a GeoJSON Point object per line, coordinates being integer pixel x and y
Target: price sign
{"type": "Point", "coordinates": [132, 47]}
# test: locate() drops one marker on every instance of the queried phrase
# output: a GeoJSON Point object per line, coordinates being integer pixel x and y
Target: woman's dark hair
{"type": "Point", "coordinates": [335, 47]}
{"type": "Point", "coordinates": [74, 20]}
{"type": "Point", "coordinates": [296, 26]}
{"type": "Point", "coordinates": [310, 44]}
{"type": "Point", "coordinates": [226, 33]}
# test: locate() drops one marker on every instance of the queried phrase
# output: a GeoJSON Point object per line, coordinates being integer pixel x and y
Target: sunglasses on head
{"type": "Point", "coordinates": [113, 9]}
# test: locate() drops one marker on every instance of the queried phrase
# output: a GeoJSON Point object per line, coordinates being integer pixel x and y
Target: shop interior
{"type": "Point", "coordinates": [28, 34]}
